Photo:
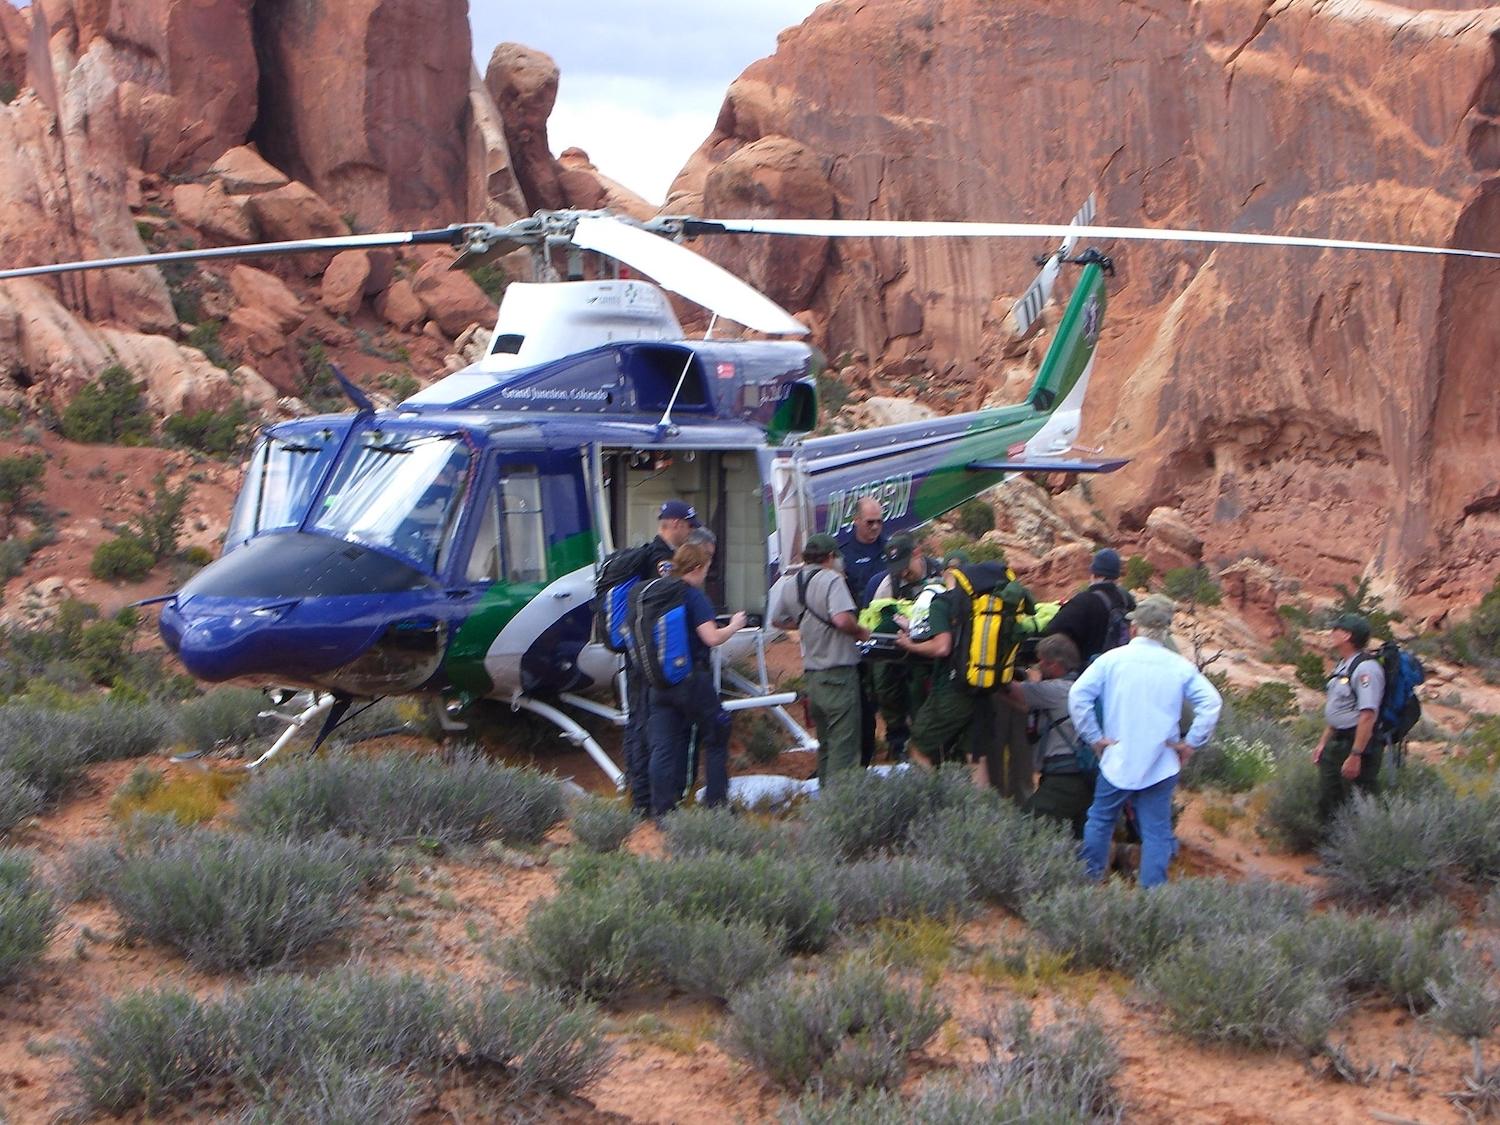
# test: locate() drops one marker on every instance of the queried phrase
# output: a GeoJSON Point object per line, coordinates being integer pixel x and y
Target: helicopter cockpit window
{"type": "Point", "coordinates": [284, 474]}
{"type": "Point", "coordinates": [507, 343]}
{"type": "Point", "coordinates": [399, 492]}
{"type": "Point", "coordinates": [525, 553]}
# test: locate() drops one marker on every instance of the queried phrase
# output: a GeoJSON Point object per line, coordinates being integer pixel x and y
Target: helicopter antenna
{"type": "Point", "coordinates": [666, 426]}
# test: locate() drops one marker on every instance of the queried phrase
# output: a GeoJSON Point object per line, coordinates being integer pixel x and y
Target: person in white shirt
{"type": "Point", "coordinates": [1128, 705]}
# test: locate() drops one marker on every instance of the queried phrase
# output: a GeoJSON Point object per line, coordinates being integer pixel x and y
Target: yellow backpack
{"type": "Point", "coordinates": [991, 612]}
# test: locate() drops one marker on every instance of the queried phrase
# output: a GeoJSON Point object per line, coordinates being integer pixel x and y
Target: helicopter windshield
{"type": "Point", "coordinates": [284, 474]}
{"type": "Point", "coordinates": [399, 492]}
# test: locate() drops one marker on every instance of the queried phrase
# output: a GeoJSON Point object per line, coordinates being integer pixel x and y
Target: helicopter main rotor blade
{"type": "Point", "coordinates": [684, 272]}
{"type": "Point", "coordinates": [448, 236]}
{"type": "Point", "coordinates": [896, 228]}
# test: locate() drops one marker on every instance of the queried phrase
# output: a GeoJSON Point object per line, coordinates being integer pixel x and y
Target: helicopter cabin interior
{"type": "Point", "coordinates": [723, 485]}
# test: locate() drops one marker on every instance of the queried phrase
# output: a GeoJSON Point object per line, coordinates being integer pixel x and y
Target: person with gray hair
{"type": "Point", "coordinates": [1068, 768]}
{"type": "Point", "coordinates": [1128, 706]}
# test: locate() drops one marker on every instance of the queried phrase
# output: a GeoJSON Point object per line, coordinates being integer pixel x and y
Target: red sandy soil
{"type": "Point", "coordinates": [451, 915]}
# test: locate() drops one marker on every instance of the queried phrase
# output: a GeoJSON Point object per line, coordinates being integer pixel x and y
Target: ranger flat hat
{"type": "Point", "coordinates": [819, 546]}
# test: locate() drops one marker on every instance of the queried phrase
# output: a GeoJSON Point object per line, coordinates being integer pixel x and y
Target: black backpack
{"type": "Point", "coordinates": [618, 576]}
{"type": "Point", "coordinates": [660, 636]}
{"type": "Point", "coordinates": [1117, 630]}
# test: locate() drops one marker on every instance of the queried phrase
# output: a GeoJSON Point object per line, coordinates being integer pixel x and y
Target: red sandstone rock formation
{"type": "Point", "coordinates": [1321, 408]}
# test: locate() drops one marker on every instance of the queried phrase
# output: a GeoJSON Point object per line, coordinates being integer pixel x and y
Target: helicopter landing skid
{"type": "Point", "coordinates": [322, 703]}
{"type": "Point", "coordinates": [574, 733]}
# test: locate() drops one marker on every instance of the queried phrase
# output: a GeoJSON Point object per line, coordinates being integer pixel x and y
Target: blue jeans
{"type": "Point", "coordinates": [1153, 814]}
{"type": "Point", "coordinates": [675, 711]}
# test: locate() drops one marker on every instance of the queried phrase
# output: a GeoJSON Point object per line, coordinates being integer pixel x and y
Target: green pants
{"type": "Point", "coordinates": [833, 698]}
{"type": "Point", "coordinates": [940, 728]}
{"type": "Point", "coordinates": [1065, 797]}
{"type": "Point", "coordinates": [898, 691]}
{"type": "Point", "coordinates": [999, 737]}
{"type": "Point", "coordinates": [1333, 790]}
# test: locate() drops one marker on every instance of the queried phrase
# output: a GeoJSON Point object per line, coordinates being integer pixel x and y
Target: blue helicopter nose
{"type": "Point", "coordinates": [301, 609]}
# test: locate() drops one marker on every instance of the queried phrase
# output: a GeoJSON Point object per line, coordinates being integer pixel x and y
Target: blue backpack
{"type": "Point", "coordinates": [660, 636]}
{"type": "Point", "coordinates": [618, 577]}
{"type": "Point", "coordinates": [1400, 709]}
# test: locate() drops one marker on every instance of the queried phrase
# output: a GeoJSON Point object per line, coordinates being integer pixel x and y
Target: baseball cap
{"type": "Point", "coordinates": [1107, 563]}
{"type": "Point", "coordinates": [819, 546]}
{"type": "Point", "coordinates": [1356, 626]}
{"type": "Point", "coordinates": [679, 510]}
{"type": "Point", "coordinates": [899, 550]}
{"type": "Point", "coordinates": [1154, 612]}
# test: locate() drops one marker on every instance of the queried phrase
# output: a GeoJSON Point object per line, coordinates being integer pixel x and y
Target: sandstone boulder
{"type": "Point", "coordinates": [1253, 590]}
{"type": "Point", "coordinates": [345, 282]}
{"type": "Point", "coordinates": [213, 211]}
{"type": "Point", "coordinates": [267, 293]}
{"type": "Point", "coordinates": [523, 81]}
{"type": "Point", "coordinates": [882, 410]}
{"type": "Point", "coordinates": [451, 298]}
{"type": "Point", "coordinates": [399, 306]}
{"type": "Point", "coordinates": [1168, 529]}
{"type": "Point", "coordinates": [294, 211]}
{"type": "Point", "coordinates": [494, 192]}
{"type": "Point", "coordinates": [585, 187]}
{"type": "Point", "coordinates": [243, 171]}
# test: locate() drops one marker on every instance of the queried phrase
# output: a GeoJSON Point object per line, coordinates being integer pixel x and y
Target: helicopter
{"type": "Point", "coordinates": [448, 546]}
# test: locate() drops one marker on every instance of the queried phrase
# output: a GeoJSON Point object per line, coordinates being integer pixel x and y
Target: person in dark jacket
{"type": "Point", "coordinates": [863, 547]}
{"type": "Point", "coordinates": [1088, 617]}
{"type": "Point", "coordinates": [676, 521]}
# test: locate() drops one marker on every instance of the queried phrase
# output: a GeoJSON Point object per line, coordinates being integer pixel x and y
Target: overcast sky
{"type": "Point", "coordinates": [641, 82]}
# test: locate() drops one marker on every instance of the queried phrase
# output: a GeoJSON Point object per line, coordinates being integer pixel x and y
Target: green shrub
{"type": "Point", "coordinates": [1312, 672]}
{"type": "Point", "coordinates": [870, 812]}
{"type": "Point", "coordinates": [20, 486]}
{"type": "Point", "coordinates": [1244, 992]}
{"type": "Point", "coordinates": [122, 559]}
{"type": "Point", "coordinates": [1467, 1006]}
{"type": "Point", "coordinates": [1008, 857]}
{"type": "Point", "coordinates": [146, 1049]}
{"type": "Point", "coordinates": [491, 278]}
{"type": "Point", "coordinates": [215, 432]}
{"type": "Point", "coordinates": [1064, 1071]}
{"type": "Point", "coordinates": [400, 797]}
{"type": "Point", "coordinates": [233, 902]}
{"type": "Point", "coordinates": [586, 943]}
{"type": "Point", "coordinates": [47, 748]}
{"type": "Point", "coordinates": [19, 800]}
{"type": "Point", "coordinates": [760, 736]}
{"type": "Point", "coordinates": [1269, 699]}
{"type": "Point", "coordinates": [850, 1028]}
{"type": "Point", "coordinates": [1399, 851]}
{"type": "Point", "coordinates": [220, 716]}
{"type": "Point", "coordinates": [791, 897]}
{"type": "Point", "coordinates": [1402, 959]}
{"type": "Point", "coordinates": [338, 1092]}
{"type": "Point", "coordinates": [974, 518]}
{"type": "Point", "coordinates": [205, 337]}
{"type": "Point", "coordinates": [602, 825]}
{"type": "Point", "coordinates": [1291, 811]}
{"type": "Point", "coordinates": [1138, 573]}
{"type": "Point", "coordinates": [1232, 764]}
{"type": "Point", "coordinates": [349, 1015]}
{"type": "Point", "coordinates": [1191, 585]}
{"type": "Point", "coordinates": [1477, 640]}
{"type": "Point", "coordinates": [707, 956]}
{"type": "Point", "coordinates": [1114, 927]}
{"type": "Point", "coordinates": [27, 914]}
{"type": "Point", "coordinates": [698, 829]}
{"type": "Point", "coordinates": [158, 527]}
{"type": "Point", "coordinates": [109, 410]}
{"type": "Point", "coordinates": [899, 888]}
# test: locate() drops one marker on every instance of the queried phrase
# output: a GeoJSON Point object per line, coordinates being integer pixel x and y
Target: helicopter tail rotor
{"type": "Point", "coordinates": [1029, 306]}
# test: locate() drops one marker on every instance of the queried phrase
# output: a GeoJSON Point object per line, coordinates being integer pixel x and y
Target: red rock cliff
{"type": "Point", "coordinates": [1320, 409]}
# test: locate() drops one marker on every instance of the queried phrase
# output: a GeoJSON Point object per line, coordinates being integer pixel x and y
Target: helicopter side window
{"type": "Point", "coordinates": [507, 343]}
{"type": "Point", "coordinates": [525, 542]}
{"type": "Point", "coordinates": [484, 557]}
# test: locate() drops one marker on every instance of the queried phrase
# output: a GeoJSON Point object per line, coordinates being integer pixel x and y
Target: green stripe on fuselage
{"type": "Point", "coordinates": [498, 606]}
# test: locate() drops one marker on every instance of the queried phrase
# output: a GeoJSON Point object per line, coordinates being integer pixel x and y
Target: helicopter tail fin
{"type": "Point", "coordinates": [1062, 381]}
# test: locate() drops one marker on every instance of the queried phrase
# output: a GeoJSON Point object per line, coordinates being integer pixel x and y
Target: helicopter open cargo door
{"type": "Point", "coordinates": [789, 506]}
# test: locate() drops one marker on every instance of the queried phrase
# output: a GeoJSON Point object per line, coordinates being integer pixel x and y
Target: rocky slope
{"type": "Point", "coordinates": [1320, 410]}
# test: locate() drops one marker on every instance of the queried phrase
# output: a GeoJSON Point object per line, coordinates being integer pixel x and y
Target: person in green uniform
{"type": "Point", "coordinates": [1349, 753]}
{"type": "Point", "coordinates": [940, 728]}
